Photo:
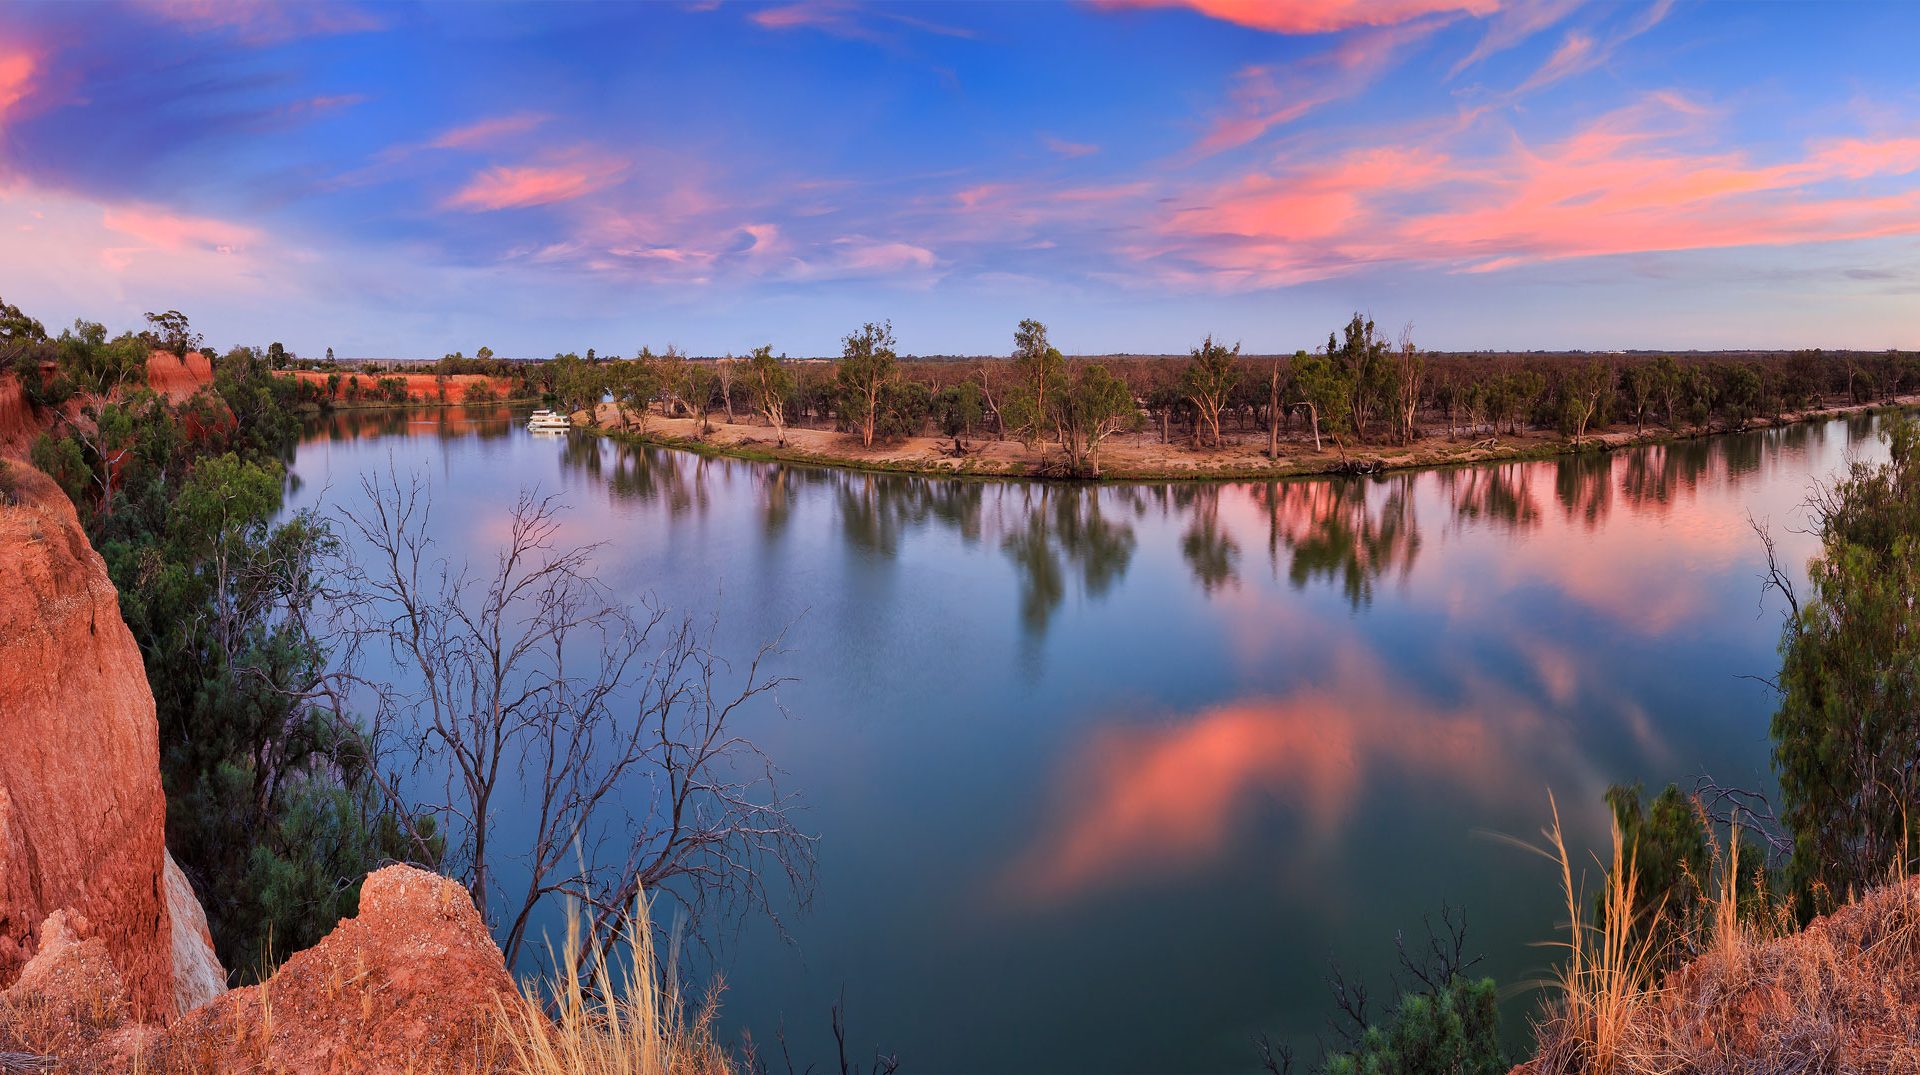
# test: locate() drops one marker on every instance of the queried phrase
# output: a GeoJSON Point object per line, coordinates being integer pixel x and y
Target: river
{"type": "Point", "coordinates": [1103, 776]}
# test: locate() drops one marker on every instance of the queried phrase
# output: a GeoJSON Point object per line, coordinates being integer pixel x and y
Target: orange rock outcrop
{"type": "Point", "coordinates": [177, 378]}
{"type": "Point", "coordinates": [412, 983]}
{"type": "Point", "coordinates": [82, 816]}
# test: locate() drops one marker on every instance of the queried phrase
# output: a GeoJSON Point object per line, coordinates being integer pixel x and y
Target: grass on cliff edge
{"type": "Point", "coordinates": [598, 1014]}
{"type": "Point", "coordinates": [1841, 996]}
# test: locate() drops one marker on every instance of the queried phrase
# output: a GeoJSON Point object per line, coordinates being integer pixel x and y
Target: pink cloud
{"type": "Point", "coordinates": [1627, 183]}
{"type": "Point", "coordinates": [861, 254]}
{"type": "Point", "coordinates": [171, 231]}
{"type": "Point", "coordinates": [522, 186]}
{"type": "Point", "coordinates": [1152, 800]}
{"type": "Point", "coordinates": [487, 131]}
{"type": "Point", "coordinates": [1314, 16]}
{"type": "Point", "coordinates": [16, 80]}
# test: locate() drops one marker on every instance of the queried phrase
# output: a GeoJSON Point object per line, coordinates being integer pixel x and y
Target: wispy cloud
{"type": "Point", "coordinates": [1583, 50]}
{"type": "Point", "coordinates": [1264, 97]}
{"type": "Point", "coordinates": [523, 186]}
{"type": "Point", "coordinates": [485, 132]}
{"type": "Point", "coordinates": [1064, 148]}
{"type": "Point", "coordinates": [265, 22]}
{"type": "Point", "coordinates": [1313, 16]}
{"type": "Point", "coordinates": [847, 20]}
{"type": "Point", "coordinates": [1516, 22]}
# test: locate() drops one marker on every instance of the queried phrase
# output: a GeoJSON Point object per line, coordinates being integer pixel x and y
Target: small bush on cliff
{"type": "Point", "coordinates": [1452, 1031]}
{"type": "Point", "coordinates": [1446, 1023]}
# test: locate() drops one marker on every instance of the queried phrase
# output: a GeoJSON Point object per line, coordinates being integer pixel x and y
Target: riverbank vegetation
{"type": "Point", "coordinates": [1358, 402]}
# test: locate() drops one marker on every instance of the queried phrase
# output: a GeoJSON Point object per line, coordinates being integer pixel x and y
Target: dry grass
{"type": "Point", "coordinates": [613, 1014]}
{"type": "Point", "coordinates": [1606, 979]}
{"type": "Point", "coordinates": [1838, 998]}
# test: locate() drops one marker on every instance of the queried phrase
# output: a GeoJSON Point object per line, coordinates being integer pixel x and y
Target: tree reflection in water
{"type": "Point", "coordinates": [1062, 527]}
{"type": "Point", "coordinates": [1353, 531]}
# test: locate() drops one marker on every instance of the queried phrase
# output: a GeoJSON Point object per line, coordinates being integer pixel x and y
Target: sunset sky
{"type": "Point", "coordinates": [412, 180]}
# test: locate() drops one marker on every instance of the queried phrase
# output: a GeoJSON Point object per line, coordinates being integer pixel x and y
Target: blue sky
{"type": "Point", "coordinates": [410, 180]}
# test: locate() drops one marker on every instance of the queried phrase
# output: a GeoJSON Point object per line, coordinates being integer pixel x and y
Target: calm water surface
{"type": "Point", "coordinates": [1102, 777]}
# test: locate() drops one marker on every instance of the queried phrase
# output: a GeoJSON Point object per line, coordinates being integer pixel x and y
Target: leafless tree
{"type": "Point", "coordinates": [609, 734]}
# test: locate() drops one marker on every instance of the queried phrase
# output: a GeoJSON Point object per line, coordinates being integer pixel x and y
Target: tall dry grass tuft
{"type": "Point", "coordinates": [596, 1014]}
{"type": "Point", "coordinates": [1607, 977]}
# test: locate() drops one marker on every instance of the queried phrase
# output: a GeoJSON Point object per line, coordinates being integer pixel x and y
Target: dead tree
{"type": "Point", "coordinates": [609, 734]}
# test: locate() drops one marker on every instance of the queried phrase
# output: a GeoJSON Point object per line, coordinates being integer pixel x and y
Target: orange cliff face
{"type": "Point", "coordinates": [82, 815]}
{"type": "Point", "coordinates": [421, 387]}
{"type": "Point", "coordinates": [412, 983]}
{"type": "Point", "coordinates": [17, 424]}
{"type": "Point", "coordinates": [177, 378]}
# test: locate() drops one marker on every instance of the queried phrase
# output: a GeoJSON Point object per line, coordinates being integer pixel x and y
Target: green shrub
{"type": "Point", "coordinates": [1452, 1031]}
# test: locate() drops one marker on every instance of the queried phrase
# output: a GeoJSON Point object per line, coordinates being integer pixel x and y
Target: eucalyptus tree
{"type": "Point", "coordinates": [1093, 406]}
{"type": "Point", "coordinates": [1326, 391]}
{"type": "Point", "coordinates": [100, 369]}
{"type": "Point", "coordinates": [1040, 376]}
{"type": "Point", "coordinates": [1584, 393]}
{"type": "Point", "coordinates": [1362, 357]}
{"type": "Point", "coordinates": [960, 410]}
{"type": "Point", "coordinates": [172, 332]}
{"type": "Point", "coordinates": [1212, 371]}
{"type": "Point", "coordinates": [770, 385]}
{"type": "Point", "coordinates": [635, 384]}
{"type": "Point", "coordinates": [867, 367]}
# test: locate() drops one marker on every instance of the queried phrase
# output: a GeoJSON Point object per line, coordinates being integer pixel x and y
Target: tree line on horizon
{"type": "Point", "coordinates": [1359, 388]}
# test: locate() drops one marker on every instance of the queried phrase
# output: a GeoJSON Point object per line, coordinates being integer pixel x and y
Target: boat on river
{"type": "Point", "coordinates": [545, 421]}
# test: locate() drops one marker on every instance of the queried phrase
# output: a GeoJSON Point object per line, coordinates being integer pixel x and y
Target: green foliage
{"type": "Point", "coordinates": [577, 383]}
{"type": "Point", "coordinates": [1454, 1030]}
{"type": "Point", "coordinates": [1668, 844]}
{"type": "Point", "coordinates": [62, 459]}
{"type": "Point", "coordinates": [1326, 386]}
{"type": "Point", "coordinates": [1847, 733]}
{"type": "Point", "coordinates": [769, 385]}
{"type": "Point", "coordinates": [1040, 379]}
{"type": "Point", "coordinates": [904, 406]}
{"type": "Point", "coordinates": [1212, 371]}
{"type": "Point", "coordinates": [15, 325]}
{"type": "Point", "coordinates": [1361, 356]}
{"type": "Point", "coordinates": [959, 410]}
{"type": "Point", "coordinates": [635, 383]}
{"type": "Point", "coordinates": [171, 332]}
{"type": "Point", "coordinates": [1092, 406]}
{"type": "Point", "coordinates": [867, 367]}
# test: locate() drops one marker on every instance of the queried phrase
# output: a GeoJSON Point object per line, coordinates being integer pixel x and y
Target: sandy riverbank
{"type": "Point", "coordinates": [1141, 456]}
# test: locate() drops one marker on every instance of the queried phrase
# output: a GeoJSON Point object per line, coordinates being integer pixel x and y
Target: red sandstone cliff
{"type": "Point", "coordinates": [81, 811]}
{"type": "Point", "coordinates": [178, 378]}
{"type": "Point", "coordinates": [413, 983]}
